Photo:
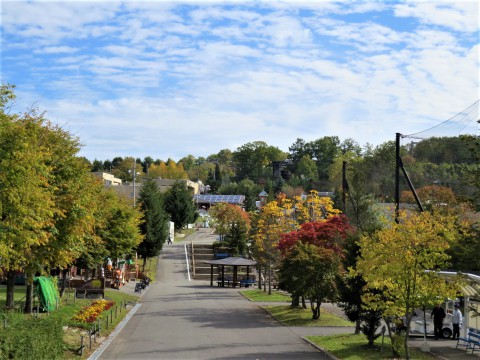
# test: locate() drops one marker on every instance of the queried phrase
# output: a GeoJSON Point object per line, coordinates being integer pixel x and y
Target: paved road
{"type": "Point", "coordinates": [181, 319]}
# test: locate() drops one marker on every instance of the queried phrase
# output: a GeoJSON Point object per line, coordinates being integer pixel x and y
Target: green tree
{"type": "Point", "coordinates": [306, 168]}
{"type": "Point", "coordinates": [351, 290]}
{"type": "Point", "coordinates": [121, 230]}
{"type": "Point", "coordinates": [251, 160]}
{"type": "Point", "coordinates": [214, 179]}
{"type": "Point", "coordinates": [178, 202]}
{"type": "Point", "coordinates": [324, 150]}
{"type": "Point", "coordinates": [155, 227]}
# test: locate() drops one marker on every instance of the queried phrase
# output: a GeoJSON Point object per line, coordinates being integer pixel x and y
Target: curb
{"type": "Point", "coordinates": [96, 354]}
{"type": "Point", "coordinates": [331, 356]}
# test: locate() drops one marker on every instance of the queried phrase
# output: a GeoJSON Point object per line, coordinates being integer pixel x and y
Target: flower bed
{"type": "Point", "coordinates": [90, 313]}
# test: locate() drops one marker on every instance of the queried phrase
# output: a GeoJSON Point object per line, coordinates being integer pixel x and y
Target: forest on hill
{"type": "Point", "coordinates": [451, 162]}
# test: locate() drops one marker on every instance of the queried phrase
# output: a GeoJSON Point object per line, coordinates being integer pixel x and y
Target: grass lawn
{"type": "Point", "coordinates": [303, 317]}
{"type": "Point", "coordinates": [262, 296]}
{"type": "Point", "coordinates": [354, 347]}
{"type": "Point", "coordinates": [19, 293]}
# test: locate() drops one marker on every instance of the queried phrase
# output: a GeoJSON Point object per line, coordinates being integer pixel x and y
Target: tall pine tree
{"type": "Point", "coordinates": [155, 226]}
{"type": "Point", "coordinates": [179, 204]}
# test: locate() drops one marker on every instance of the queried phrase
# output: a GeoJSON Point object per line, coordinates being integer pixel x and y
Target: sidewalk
{"type": "Point", "coordinates": [445, 348]}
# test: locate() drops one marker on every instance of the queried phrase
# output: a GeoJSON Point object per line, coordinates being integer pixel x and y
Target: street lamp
{"type": "Point", "coordinates": [135, 174]}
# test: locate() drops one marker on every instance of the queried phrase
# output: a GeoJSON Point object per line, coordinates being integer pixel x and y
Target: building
{"type": "Point", "coordinates": [108, 179]}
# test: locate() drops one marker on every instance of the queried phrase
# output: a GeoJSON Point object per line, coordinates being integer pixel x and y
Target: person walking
{"type": "Point", "coordinates": [438, 314]}
{"type": "Point", "coordinates": [456, 322]}
{"type": "Point", "coordinates": [169, 241]}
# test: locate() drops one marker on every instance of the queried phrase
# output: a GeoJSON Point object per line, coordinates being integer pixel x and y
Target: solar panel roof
{"type": "Point", "coordinates": [211, 199]}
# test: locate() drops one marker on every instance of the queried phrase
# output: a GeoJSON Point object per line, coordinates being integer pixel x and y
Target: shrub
{"type": "Point", "coordinates": [27, 338]}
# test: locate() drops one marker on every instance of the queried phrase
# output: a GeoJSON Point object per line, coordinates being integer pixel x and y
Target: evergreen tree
{"type": "Point", "coordinates": [155, 226]}
{"type": "Point", "coordinates": [179, 204]}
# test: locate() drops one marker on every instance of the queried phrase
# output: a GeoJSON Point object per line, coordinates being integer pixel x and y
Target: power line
{"type": "Point", "coordinates": [453, 126]}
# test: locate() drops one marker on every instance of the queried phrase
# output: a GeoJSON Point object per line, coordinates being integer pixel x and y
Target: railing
{"type": "Point", "coordinates": [192, 257]}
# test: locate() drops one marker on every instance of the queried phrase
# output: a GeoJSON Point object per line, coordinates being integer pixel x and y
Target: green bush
{"type": "Point", "coordinates": [27, 338]}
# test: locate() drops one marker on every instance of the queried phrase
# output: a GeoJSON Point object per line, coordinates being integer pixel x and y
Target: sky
{"type": "Point", "coordinates": [169, 79]}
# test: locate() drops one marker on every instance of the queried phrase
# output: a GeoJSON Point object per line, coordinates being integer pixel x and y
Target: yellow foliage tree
{"type": "Point", "coordinates": [169, 170]}
{"type": "Point", "coordinates": [314, 208]}
{"type": "Point", "coordinates": [400, 265]}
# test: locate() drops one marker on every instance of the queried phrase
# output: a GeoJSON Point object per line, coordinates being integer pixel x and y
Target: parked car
{"type": "Point", "coordinates": [419, 319]}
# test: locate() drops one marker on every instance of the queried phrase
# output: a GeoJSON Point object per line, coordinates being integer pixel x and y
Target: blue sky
{"type": "Point", "coordinates": [168, 79]}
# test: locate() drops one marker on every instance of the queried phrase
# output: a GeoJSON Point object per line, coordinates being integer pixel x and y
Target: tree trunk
{"type": "Point", "coordinates": [269, 277]}
{"type": "Point", "coordinates": [357, 326]}
{"type": "Point", "coordinates": [304, 304]}
{"type": "Point", "coordinates": [10, 302]}
{"type": "Point", "coordinates": [315, 306]}
{"type": "Point", "coordinates": [295, 301]}
{"type": "Point", "coordinates": [265, 279]}
{"type": "Point", "coordinates": [28, 294]}
{"type": "Point", "coordinates": [405, 340]}
{"type": "Point", "coordinates": [64, 282]}
{"type": "Point", "coordinates": [259, 277]}
{"type": "Point", "coordinates": [392, 340]}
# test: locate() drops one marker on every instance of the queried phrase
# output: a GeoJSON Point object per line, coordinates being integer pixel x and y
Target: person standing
{"type": "Point", "coordinates": [456, 322]}
{"type": "Point", "coordinates": [438, 314]}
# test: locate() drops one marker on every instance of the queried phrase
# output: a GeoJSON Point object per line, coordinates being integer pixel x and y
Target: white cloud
{"type": "Point", "coordinates": [458, 15]}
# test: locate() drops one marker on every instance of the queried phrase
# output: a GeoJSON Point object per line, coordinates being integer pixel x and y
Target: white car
{"type": "Point", "coordinates": [419, 319]}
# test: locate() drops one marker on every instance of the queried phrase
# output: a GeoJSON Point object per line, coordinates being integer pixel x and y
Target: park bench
{"type": "Point", "coordinates": [86, 291]}
{"type": "Point", "coordinates": [228, 281]}
{"type": "Point", "coordinates": [472, 341]}
{"type": "Point", "coordinates": [247, 282]}
{"type": "Point", "coordinates": [91, 288]}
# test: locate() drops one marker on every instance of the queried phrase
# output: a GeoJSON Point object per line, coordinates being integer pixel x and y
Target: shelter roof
{"type": "Point", "coordinates": [232, 261]}
{"type": "Point", "coordinates": [472, 288]}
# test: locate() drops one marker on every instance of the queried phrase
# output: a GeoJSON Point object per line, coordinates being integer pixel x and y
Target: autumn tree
{"type": "Point", "coordinates": [326, 241]}
{"type": "Point", "coordinates": [232, 224]}
{"type": "Point", "coordinates": [309, 270]}
{"type": "Point", "coordinates": [274, 219]}
{"type": "Point", "coordinates": [26, 196]}
{"type": "Point", "coordinates": [400, 265]}
{"type": "Point", "coordinates": [168, 170]}
{"type": "Point", "coordinates": [313, 208]}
